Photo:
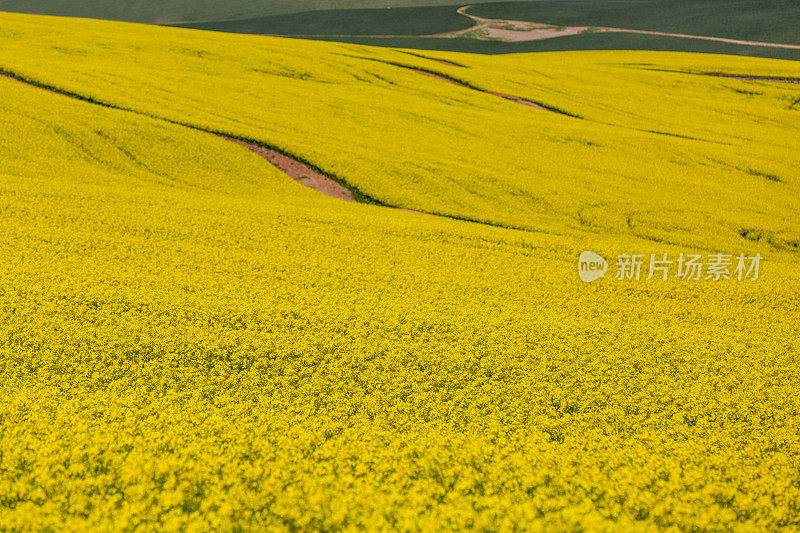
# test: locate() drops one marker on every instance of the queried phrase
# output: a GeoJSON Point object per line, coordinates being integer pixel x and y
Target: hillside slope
{"type": "Point", "coordinates": [189, 340]}
{"type": "Point", "coordinates": [419, 142]}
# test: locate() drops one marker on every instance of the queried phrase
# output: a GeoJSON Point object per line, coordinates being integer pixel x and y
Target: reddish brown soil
{"type": "Point", "coordinates": [294, 169]}
{"type": "Point", "coordinates": [299, 172]}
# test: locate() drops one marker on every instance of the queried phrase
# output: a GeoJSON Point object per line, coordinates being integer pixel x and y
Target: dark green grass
{"type": "Point", "coordinates": [770, 20]}
{"type": "Point", "coordinates": [395, 21]}
{"type": "Point", "coordinates": [775, 21]}
{"type": "Point", "coordinates": [590, 41]}
{"type": "Point", "coordinates": [174, 11]}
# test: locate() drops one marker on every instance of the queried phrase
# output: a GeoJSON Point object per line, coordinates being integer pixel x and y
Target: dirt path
{"type": "Point", "coordinates": [509, 30]}
{"type": "Point", "coordinates": [299, 172]}
{"type": "Point", "coordinates": [293, 168]}
{"type": "Point", "coordinates": [521, 31]}
{"type": "Point", "coordinates": [704, 38]}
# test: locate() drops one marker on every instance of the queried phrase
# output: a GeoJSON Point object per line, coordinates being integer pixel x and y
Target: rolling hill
{"type": "Point", "coordinates": [191, 340]}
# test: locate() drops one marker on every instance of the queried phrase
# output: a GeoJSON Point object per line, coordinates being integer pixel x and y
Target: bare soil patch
{"type": "Point", "coordinates": [298, 171]}
{"type": "Point", "coordinates": [509, 30]}
{"type": "Point", "coordinates": [521, 31]}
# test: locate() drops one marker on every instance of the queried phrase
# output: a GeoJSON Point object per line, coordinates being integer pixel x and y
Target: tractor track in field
{"type": "Point", "coordinates": [297, 170]}
{"type": "Point", "coordinates": [304, 173]}
{"type": "Point", "coordinates": [453, 81]}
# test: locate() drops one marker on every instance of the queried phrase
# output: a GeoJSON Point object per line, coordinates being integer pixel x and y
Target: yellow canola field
{"type": "Point", "coordinates": [654, 146]}
{"type": "Point", "coordinates": [191, 341]}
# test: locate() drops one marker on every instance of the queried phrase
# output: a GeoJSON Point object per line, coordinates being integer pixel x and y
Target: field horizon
{"type": "Point", "coordinates": [518, 27]}
{"type": "Point", "coordinates": [705, 26]}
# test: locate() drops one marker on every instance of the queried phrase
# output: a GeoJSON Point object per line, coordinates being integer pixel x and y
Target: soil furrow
{"type": "Point", "coordinates": [294, 168]}
{"type": "Point", "coordinates": [302, 174]}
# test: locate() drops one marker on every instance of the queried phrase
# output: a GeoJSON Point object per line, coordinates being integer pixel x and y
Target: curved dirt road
{"type": "Point", "coordinates": [522, 31]}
